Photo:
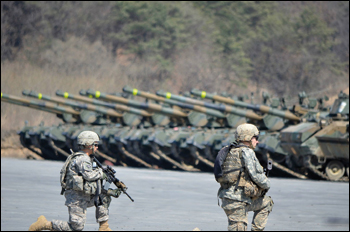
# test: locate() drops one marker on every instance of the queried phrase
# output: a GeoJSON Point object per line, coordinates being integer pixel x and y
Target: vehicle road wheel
{"type": "Point", "coordinates": [335, 170]}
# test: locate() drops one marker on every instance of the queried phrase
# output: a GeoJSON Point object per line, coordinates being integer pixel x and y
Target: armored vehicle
{"type": "Point", "coordinates": [180, 132]}
{"type": "Point", "coordinates": [320, 143]}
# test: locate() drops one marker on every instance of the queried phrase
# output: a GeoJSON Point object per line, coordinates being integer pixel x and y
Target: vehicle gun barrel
{"type": "Point", "coordinates": [42, 105]}
{"type": "Point", "coordinates": [225, 108]}
{"type": "Point", "coordinates": [197, 108]}
{"type": "Point", "coordinates": [142, 105]}
{"type": "Point", "coordinates": [15, 102]}
{"type": "Point", "coordinates": [262, 108]}
{"type": "Point", "coordinates": [90, 107]}
{"type": "Point", "coordinates": [114, 106]}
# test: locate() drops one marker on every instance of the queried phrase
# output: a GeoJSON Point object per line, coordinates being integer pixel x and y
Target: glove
{"type": "Point", "coordinates": [114, 192]}
{"type": "Point", "coordinates": [104, 176]}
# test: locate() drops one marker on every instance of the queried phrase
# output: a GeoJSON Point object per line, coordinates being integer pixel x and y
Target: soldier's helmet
{"type": "Point", "coordinates": [246, 132]}
{"type": "Point", "coordinates": [86, 138]}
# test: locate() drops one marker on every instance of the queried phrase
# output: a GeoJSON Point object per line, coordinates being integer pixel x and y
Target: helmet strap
{"type": "Point", "coordinates": [93, 149]}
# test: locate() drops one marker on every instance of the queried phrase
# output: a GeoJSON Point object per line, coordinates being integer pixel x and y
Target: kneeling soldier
{"type": "Point", "coordinates": [81, 183]}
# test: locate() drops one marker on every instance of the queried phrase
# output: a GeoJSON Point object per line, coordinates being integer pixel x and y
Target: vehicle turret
{"type": "Point", "coordinates": [320, 144]}
{"type": "Point", "coordinates": [340, 107]}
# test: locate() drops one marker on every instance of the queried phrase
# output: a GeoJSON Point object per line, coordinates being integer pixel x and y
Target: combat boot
{"type": "Point", "coordinates": [104, 226]}
{"type": "Point", "coordinates": [41, 224]}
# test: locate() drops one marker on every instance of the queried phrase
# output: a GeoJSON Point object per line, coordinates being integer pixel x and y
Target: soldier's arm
{"type": "Point", "coordinates": [258, 177]}
{"type": "Point", "coordinates": [85, 168]}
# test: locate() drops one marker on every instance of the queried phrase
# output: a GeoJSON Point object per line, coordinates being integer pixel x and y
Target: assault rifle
{"type": "Point", "coordinates": [111, 178]}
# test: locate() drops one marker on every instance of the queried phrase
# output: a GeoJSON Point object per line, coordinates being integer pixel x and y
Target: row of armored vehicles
{"type": "Point", "coordinates": [185, 132]}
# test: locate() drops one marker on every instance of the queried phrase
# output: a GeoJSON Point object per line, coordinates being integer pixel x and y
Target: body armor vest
{"type": "Point", "coordinates": [70, 179]}
{"type": "Point", "coordinates": [66, 177]}
{"type": "Point", "coordinates": [231, 167]}
{"type": "Point", "coordinates": [235, 174]}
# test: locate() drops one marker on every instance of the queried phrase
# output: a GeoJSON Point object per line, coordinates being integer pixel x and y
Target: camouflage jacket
{"type": "Point", "coordinates": [81, 166]}
{"type": "Point", "coordinates": [256, 173]}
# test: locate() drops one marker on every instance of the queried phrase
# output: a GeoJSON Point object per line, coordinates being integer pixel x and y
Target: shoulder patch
{"type": "Point", "coordinates": [87, 165]}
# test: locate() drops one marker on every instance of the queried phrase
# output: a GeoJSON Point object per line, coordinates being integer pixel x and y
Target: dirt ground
{"type": "Point", "coordinates": [11, 147]}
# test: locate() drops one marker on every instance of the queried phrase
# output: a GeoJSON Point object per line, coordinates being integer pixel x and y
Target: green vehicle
{"type": "Point", "coordinates": [37, 136]}
{"type": "Point", "coordinates": [136, 140]}
{"type": "Point", "coordinates": [273, 120]}
{"type": "Point", "coordinates": [183, 133]}
{"type": "Point", "coordinates": [175, 141]}
{"type": "Point", "coordinates": [320, 145]}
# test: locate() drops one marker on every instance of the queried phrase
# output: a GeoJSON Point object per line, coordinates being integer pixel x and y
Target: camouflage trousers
{"type": "Point", "coordinates": [77, 204]}
{"type": "Point", "coordinates": [237, 213]}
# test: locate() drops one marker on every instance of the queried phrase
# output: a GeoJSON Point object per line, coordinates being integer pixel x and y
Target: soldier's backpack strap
{"type": "Point", "coordinates": [219, 160]}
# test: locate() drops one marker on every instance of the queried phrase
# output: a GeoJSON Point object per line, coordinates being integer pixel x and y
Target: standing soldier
{"type": "Point", "coordinates": [81, 183]}
{"type": "Point", "coordinates": [243, 182]}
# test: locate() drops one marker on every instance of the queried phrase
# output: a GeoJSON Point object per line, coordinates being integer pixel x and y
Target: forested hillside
{"type": "Point", "coordinates": [237, 47]}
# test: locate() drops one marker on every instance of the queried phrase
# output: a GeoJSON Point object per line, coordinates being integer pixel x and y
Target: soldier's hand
{"type": "Point", "coordinates": [114, 192]}
{"type": "Point", "coordinates": [104, 176]}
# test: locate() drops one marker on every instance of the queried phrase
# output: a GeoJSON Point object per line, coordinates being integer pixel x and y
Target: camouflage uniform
{"type": "Point", "coordinates": [237, 202]}
{"type": "Point", "coordinates": [78, 201]}
{"type": "Point", "coordinates": [237, 205]}
{"type": "Point", "coordinates": [81, 182]}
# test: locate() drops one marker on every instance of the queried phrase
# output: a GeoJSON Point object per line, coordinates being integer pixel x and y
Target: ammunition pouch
{"type": "Point", "coordinates": [250, 188]}
{"type": "Point", "coordinates": [77, 183]}
{"type": "Point", "coordinates": [90, 187]}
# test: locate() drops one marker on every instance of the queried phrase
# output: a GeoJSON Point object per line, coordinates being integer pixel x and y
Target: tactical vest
{"type": "Point", "coordinates": [231, 167]}
{"type": "Point", "coordinates": [63, 172]}
{"type": "Point", "coordinates": [235, 174]}
{"type": "Point", "coordinates": [70, 179]}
